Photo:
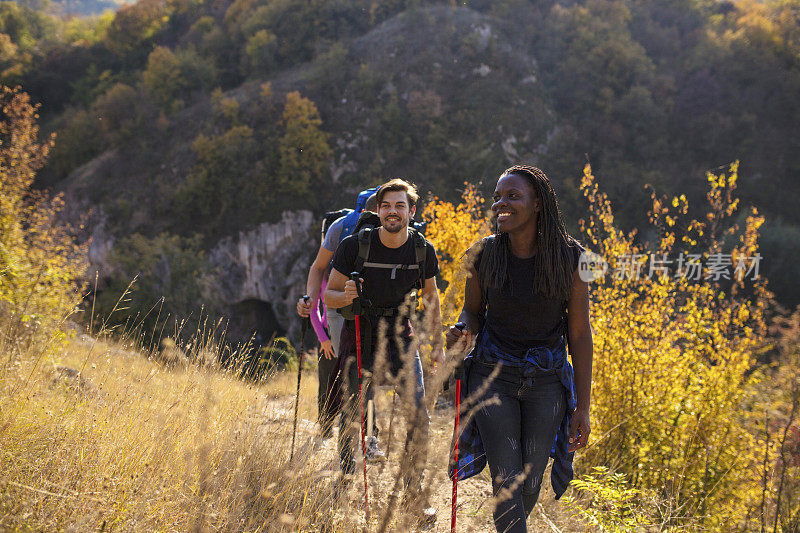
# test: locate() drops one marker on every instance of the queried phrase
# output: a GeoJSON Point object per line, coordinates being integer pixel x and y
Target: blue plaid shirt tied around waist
{"type": "Point", "coordinates": [471, 456]}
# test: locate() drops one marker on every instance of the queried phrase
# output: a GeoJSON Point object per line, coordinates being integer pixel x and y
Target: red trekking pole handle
{"type": "Point", "coordinates": [460, 326]}
{"type": "Point", "coordinates": [356, 277]}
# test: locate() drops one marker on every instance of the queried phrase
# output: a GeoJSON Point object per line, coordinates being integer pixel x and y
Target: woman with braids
{"type": "Point", "coordinates": [523, 298]}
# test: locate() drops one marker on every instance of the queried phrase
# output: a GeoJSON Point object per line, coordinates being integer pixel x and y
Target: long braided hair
{"type": "Point", "coordinates": [552, 269]}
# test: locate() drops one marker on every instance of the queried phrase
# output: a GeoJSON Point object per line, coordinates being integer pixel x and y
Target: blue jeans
{"type": "Point", "coordinates": [518, 435]}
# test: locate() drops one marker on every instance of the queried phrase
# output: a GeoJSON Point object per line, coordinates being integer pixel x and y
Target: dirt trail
{"type": "Point", "coordinates": [474, 494]}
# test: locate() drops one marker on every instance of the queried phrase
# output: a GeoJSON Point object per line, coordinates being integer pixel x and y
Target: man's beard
{"type": "Point", "coordinates": [401, 224]}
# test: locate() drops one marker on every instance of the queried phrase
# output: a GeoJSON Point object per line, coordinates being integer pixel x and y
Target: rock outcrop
{"type": "Point", "coordinates": [268, 264]}
{"type": "Point", "coordinates": [257, 274]}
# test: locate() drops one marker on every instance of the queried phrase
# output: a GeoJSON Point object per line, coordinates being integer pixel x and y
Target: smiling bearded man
{"type": "Point", "coordinates": [393, 261]}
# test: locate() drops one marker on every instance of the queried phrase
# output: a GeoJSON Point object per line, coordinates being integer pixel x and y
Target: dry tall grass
{"type": "Point", "coordinates": [95, 436]}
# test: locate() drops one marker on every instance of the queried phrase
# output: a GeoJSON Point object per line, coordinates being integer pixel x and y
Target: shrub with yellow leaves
{"type": "Point", "coordinates": [606, 500]}
{"type": "Point", "coordinates": [453, 229]}
{"type": "Point", "coordinates": [672, 354]}
{"type": "Point", "coordinates": [40, 263]}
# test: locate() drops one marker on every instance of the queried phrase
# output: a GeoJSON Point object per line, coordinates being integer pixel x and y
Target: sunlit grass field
{"type": "Point", "coordinates": [95, 436]}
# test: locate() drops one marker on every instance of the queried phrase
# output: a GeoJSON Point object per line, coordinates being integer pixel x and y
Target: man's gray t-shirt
{"type": "Point", "coordinates": [334, 234]}
{"type": "Point", "coordinates": [330, 243]}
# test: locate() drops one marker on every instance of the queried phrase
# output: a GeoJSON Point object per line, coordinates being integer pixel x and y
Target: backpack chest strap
{"type": "Point", "coordinates": [393, 267]}
{"type": "Point", "coordinates": [362, 260]}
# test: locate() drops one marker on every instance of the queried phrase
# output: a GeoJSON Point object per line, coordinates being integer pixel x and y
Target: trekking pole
{"type": "Point", "coordinates": [355, 276]}
{"type": "Point", "coordinates": [299, 375]}
{"type": "Point", "coordinates": [459, 373]}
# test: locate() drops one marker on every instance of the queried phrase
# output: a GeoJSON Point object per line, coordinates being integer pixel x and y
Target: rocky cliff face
{"type": "Point", "coordinates": [262, 272]}
{"type": "Point", "coordinates": [258, 274]}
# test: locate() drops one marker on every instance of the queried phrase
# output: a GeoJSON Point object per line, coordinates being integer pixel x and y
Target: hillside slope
{"type": "Point", "coordinates": [393, 86]}
{"type": "Point", "coordinates": [195, 121]}
{"type": "Point", "coordinates": [106, 435]}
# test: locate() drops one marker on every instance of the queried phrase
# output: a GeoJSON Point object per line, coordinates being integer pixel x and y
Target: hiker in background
{"type": "Point", "coordinates": [393, 260]}
{"type": "Point", "coordinates": [524, 299]}
{"type": "Point", "coordinates": [324, 317]}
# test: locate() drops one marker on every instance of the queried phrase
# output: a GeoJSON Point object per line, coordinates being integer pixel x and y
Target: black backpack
{"type": "Point", "coordinates": [366, 224]}
{"type": "Point", "coordinates": [331, 217]}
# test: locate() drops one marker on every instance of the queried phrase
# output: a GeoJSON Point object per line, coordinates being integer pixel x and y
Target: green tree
{"type": "Point", "coordinates": [173, 78]}
{"type": "Point", "coordinates": [116, 112]}
{"type": "Point", "coordinates": [79, 138]}
{"type": "Point", "coordinates": [171, 279]}
{"type": "Point", "coordinates": [304, 153]}
{"type": "Point", "coordinates": [259, 53]}
{"type": "Point", "coordinates": [135, 28]}
{"type": "Point", "coordinates": [88, 30]}
{"type": "Point", "coordinates": [218, 185]}
{"type": "Point", "coordinates": [24, 34]}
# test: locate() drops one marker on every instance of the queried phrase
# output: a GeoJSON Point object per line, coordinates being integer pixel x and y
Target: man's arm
{"type": "Point", "coordinates": [340, 291]}
{"type": "Point", "coordinates": [314, 281]}
{"type": "Point", "coordinates": [317, 272]}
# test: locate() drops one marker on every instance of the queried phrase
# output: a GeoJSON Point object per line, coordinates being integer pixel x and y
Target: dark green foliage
{"type": "Point", "coordinates": [174, 78]}
{"type": "Point", "coordinates": [220, 182]}
{"type": "Point", "coordinates": [240, 178]}
{"type": "Point", "coordinates": [136, 28]}
{"type": "Point", "coordinates": [780, 247]}
{"type": "Point", "coordinates": [170, 274]}
{"type": "Point", "coordinates": [260, 361]}
{"type": "Point", "coordinates": [260, 53]}
{"type": "Point", "coordinates": [78, 140]}
{"type": "Point", "coordinates": [23, 32]}
{"type": "Point", "coordinates": [653, 92]}
{"type": "Point", "coordinates": [25, 27]}
{"type": "Point", "coordinates": [116, 110]}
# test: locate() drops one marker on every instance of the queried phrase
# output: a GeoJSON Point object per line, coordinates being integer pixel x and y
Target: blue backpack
{"type": "Point", "coordinates": [351, 214]}
{"type": "Point", "coordinates": [351, 219]}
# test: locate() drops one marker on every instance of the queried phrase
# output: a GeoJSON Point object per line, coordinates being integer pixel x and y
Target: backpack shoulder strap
{"type": "Point", "coordinates": [364, 240]}
{"type": "Point", "coordinates": [483, 277]}
{"type": "Point", "coordinates": [420, 254]}
{"type": "Point", "coordinates": [421, 251]}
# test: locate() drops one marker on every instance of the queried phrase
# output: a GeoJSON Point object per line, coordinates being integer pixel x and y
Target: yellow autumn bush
{"type": "Point", "coordinates": [40, 263]}
{"type": "Point", "coordinates": [672, 355]}
{"type": "Point", "coordinates": [453, 229]}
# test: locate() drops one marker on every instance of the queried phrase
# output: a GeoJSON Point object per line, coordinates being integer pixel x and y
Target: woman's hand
{"type": "Point", "coordinates": [579, 429]}
{"type": "Point", "coordinates": [459, 338]}
{"type": "Point", "coordinates": [327, 349]}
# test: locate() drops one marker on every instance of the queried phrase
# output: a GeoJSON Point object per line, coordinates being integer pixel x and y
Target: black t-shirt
{"type": "Point", "coordinates": [518, 318]}
{"type": "Point", "coordinates": [378, 286]}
